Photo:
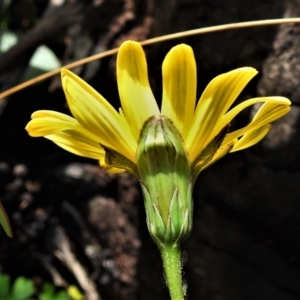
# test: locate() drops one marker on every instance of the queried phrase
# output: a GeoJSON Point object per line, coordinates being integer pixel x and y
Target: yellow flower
{"type": "Point", "coordinates": [166, 149]}
{"type": "Point", "coordinates": [97, 127]}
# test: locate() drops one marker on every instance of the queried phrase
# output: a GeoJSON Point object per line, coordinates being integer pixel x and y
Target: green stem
{"type": "Point", "coordinates": [171, 257]}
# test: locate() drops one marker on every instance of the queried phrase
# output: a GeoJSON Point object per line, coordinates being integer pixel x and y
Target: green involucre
{"type": "Point", "coordinates": [165, 175]}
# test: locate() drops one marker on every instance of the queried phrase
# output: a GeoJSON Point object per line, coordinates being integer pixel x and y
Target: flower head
{"type": "Point", "coordinates": [138, 138]}
{"type": "Point", "coordinates": [97, 126]}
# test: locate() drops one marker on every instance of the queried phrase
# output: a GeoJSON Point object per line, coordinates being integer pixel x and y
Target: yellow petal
{"type": "Point", "coordinates": [49, 122]}
{"type": "Point", "coordinates": [227, 118]}
{"type": "Point", "coordinates": [52, 114]}
{"type": "Point", "coordinates": [251, 138]}
{"type": "Point", "coordinates": [77, 143]}
{"type": "Point", "coordinates": [137, 99]}
{"type": "Point", "coordinates": [268, 113]}
{"type": "Point", "coordinates": [96, 115]}
{"type": "Point", "coordinates": [110, 169]}
{"type": "Point", "coordinates": [45, 122]}
{"type": "Point", "coordinates": [213, 104]}
{"type": "Point", "coordinates": [179, 87]}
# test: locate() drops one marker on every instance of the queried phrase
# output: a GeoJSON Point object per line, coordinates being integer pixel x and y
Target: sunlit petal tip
{"type": "Point", "coordinates": [69, 82]}
{"type": "Point", "coordinates": [248, 71]}
{"type": "Point", "coordinates": [180, 56]}
{"type": "Point", "coordinates": [78, 92]}
{"type": "Point", "coordinates": [240, 76]}
{"type": "Point", "coordinates": [35, 114]}
{"type": "Point", "coordinates": [39, 114]}
{"type": "Point", "coordinates": [177, 51]}
{"type": "Point", "coordinates": [45, 113]}
{"type": "Point", "coordinates": [64, 72]}
{"type": "Point", "coordinates": [32, 130]}
{"type": "Point", "coordinates": [268, 113]}
{"type": "Point", "coordinates": [45, 122]}
{"type": "Point", "coordinates": [281, 100]}
{"type": "Point", "coordinates": [40, 127]}
{"type": "Point", "coordinates": [274, 101]}
{"type": "Point", "coordinates": [131, 59]}
{"type": "Point", "coordinates": [65, 75]}
{"type": "Point", "coordinates": [54, 115]}
{"type": "Point", "coordinates": [244, 75]}
{"type": "Point", "coordinates": [179, 87]}
{"type": "Point", "coordinates": [28, 129]}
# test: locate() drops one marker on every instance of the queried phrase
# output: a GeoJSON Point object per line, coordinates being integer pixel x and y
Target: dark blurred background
{"type": "Point", "coordinates": [75, 224]}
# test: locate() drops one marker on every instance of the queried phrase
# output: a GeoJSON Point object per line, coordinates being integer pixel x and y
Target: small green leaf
{"type": "Point", "coordinates": [4, 286]}
{"type": "Point", "coordinates": [62, 295]}
{"type": "Point", "coordinates": [8, 39]}
{"type": "Point", "coordinates": [47, 292]}
{"type": "Point", "coordinates": [22, 289]}
{"type": "Point", "coordinates": [42, 61]}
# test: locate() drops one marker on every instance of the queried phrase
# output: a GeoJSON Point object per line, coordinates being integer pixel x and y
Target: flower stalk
{"type": "Point", "coordinates": [171, 256]}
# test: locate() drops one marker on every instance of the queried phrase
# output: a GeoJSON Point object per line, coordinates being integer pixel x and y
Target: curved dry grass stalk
{"type": "Point", "coordinates": [149, 42]}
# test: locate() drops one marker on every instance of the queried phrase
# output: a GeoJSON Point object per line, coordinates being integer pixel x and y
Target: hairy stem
{"type": "Point", "coordinates": [171, 256]}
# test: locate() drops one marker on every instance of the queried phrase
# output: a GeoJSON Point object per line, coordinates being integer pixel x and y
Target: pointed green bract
{"type": "Point", "coordinates": [114, 159]}
{"type": "Point", "coordinates": [207, 155]}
